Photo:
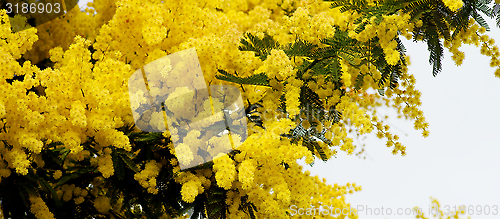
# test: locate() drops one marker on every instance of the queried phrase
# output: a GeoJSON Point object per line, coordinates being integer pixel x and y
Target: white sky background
{"type": "Point", "coordinates": [458, 163]}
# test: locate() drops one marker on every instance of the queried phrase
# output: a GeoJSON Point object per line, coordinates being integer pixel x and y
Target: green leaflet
{"type": "Point", "coordinates": [52, 191]}
{"type": "Point", "coordinates": [261, 47]}
{"type": "Point", "coordinates": [299, 48]}
{"type": "Point", "coordinates": [258, 79]}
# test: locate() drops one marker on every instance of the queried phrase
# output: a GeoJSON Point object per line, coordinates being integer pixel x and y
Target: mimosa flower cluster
{"type": "Point", "coordinates": [147, 177]}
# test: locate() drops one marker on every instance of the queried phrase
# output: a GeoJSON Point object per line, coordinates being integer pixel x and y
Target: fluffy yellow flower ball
{"type": "Point", "coordinates": [189, 190]}
{"type": "Point", "coordinates": [225, 171]}
{"type": "Point", "coordinates": [39, 208]}
{"type": "Point", "coordinates": [454, 5]}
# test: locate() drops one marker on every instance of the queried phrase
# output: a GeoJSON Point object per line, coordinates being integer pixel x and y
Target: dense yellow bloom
{"type": "Point", "coordinates": [346, 77]}
{"type": "Point", "coordinates": [147, 177]}
{"type": "Point", "coordinates": [106, 165]}
{"type": "Point", "coordinates": [85, 100]}
{"type": "Point", "coordinates": [190, 190]}
{"type": "Point", "coordinates": [278, 65]}
{"type": "Point", "coordinates": [102, 204]}
{"type": "Point", "coordinates": [113, 137]}
{"type": "Point", "coordinates": [18, 160]}
{"type": "Point", "coordinates": [192, 184]}
{"type": "Point", "coordinates": [225, 171]}
{"type": "Point", "coordinates": [246, 172]}
{"type": "Point", "coordinates": [453, 4]}
{"type": "Point", "coordinates": [77, 114]}
{"type": "Point", "coordinates": [39, 208]}
{"type": "Point", "coordinates": [292, 93]}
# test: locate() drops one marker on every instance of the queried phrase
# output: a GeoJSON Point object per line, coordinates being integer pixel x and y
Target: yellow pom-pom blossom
{"type": "Point", "coordinates": [67, 191]}
{"type": "Point", "coordinates": [190, 190]}
{"type": "Point", "coordinates": [102, 204]}
{"type": "Point", "coordinates": [113, 137]}
{"type": "Point", "coordinates": [278, 65]}
{"type": "Point", "coordinates": [147, 177]}
{"type": "Point", "coordinates": [246, 170]}
{"type": "Point", "coordinates": [310, 26]}
{"type": "Point", "coordinates": [292, 94]}
{"type": "Point", "coordinates": [57, 174]}
{"type": "Point", "coordinates": [192, 184]}
{"type": "Point", "coordinates": [346, 77]}
{"type": "Point", "coordinates": [105, 165]}
{"type": "Point", "coordinates": [225, 171]}
{"type": "Point", "coordinates": [39, 208]}
{"type": "Point", "coordinates": [77, 114]}
{"type": "Point", "coordinates": [17, 160]}
{"type": "Point", "coordinates": [454, 5]}
{"type": "Point", "coordinates": [4, 170]}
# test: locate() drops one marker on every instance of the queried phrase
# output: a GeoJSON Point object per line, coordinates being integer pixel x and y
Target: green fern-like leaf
{"type": "Point", "coordinates": [118, 165]}
{"type": "Point", "coordinates": [480, 20]}
{"type": "Point", "coordinates": [498, 17]}
{"type": "Point", "coordinates": [324, 52]}
{"type": "Point", "coordinates": [435, 48]}
{"type": "Point", "coordinates": [326, 67]}
{"type": "Point", "coordinates": [128, 161]}
{"type": "Point", "coordinates": [418, 7]}
{"type": "Point", "coordinates": [355, 5]}
{"type": "Point", "coordinates": [261, 47]}
{"type": "Point", "coordinates": [441, 24]}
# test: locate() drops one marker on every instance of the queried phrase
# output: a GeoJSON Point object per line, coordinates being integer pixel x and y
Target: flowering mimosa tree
{"type": "Point", "coordinates": [307, 72]}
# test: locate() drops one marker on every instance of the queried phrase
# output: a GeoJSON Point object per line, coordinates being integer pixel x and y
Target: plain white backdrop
{"type": "Point", "coordinates": [458, 163]}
